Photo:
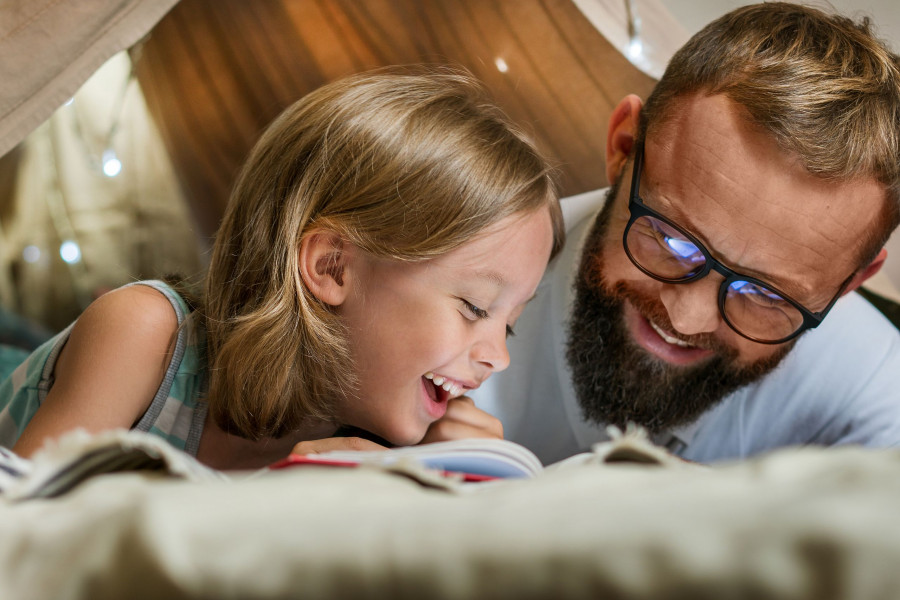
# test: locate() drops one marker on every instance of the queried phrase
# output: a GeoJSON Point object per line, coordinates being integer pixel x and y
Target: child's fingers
{"type": "Point", "coordinates": [355, 444]}
{"type": "Point", "coordinates": [463, 410]}
{"type": "Point", "coordinates": [463, 420]}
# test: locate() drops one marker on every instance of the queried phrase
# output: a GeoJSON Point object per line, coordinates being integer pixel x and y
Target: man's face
{"type": "Point", "coordinates": [660, 354]}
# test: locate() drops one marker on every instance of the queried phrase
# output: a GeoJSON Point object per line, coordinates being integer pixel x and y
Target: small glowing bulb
{"type": "Point", "coordinates": [70, 252]}
{"type": "Point", "coordinates": [112, 166]}
{"type": "Point", "coordinates": [31, 254]}
{"type": "Point", "coordinates": [501, 65]}
{"type": "Point", "coordinates": [635, 48]}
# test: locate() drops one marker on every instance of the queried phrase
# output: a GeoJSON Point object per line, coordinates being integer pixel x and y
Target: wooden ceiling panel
{"type": "Point", "coordinates": [215, 72]}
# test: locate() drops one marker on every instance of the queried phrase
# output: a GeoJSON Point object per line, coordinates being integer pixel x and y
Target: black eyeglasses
{"type": "Point", "coordinates": [667, 253]}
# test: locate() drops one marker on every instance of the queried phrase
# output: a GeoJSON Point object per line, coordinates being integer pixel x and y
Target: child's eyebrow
{"type": "Point", "coordinates": [497, 279]}
{"type": "Point", "coordinates": [492, 276]}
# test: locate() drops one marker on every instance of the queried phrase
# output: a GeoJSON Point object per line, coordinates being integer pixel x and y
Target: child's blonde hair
{"type": "Point", "coordinates": [406, 164]}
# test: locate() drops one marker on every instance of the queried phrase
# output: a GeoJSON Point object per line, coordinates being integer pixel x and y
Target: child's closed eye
{"type": "Point", "coordinates": [479, 313]}
{"type": "Point", "coordinates": [474, 311]}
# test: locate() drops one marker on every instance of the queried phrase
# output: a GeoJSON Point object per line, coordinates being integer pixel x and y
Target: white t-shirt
{"type": "Point", "coordinates": [839, 385]}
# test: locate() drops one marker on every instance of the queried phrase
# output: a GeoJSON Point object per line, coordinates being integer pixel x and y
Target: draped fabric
{"type": "Point", "coordinates": [51, 192]}
{"type": "Point", "coordinates": [134, 225]}
{"type": "Point", "coordinates": [215, 72]}
{"type": "Point", "coordinates": [49, 48]}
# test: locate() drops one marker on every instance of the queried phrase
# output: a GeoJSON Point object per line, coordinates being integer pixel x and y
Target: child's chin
{"type": "Point", "coordinates": [406, 437]}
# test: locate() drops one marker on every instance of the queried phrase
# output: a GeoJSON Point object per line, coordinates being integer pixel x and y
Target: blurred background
{"type": "Point", "coordinates": [128, 178]}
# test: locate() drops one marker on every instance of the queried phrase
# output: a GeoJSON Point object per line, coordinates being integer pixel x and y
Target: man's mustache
{"type": "Point", "coordinates": [653, 310]}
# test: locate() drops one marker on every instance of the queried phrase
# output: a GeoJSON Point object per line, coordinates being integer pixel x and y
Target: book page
{"type": "Point", "coordinates": [488, 457]}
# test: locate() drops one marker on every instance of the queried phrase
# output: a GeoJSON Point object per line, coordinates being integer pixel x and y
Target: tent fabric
{"type": "Point", "coordinates": [48, 48]}
{"type": "Point", "coordinates": [549, 67]}
{"type": "Point", "coordinates": [61, 194]}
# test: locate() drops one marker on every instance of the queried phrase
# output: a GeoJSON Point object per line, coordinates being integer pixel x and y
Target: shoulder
{"type": "Point", "coordinates": [128, 328]}
{"type": "Point", "coordinates": [854, 334]}
{"type": "Point", "coordinates": [853, 351]}
{"type": "Point", "coordinates": [109, 368]}
{"type": "Point", "coordinates": [840, 384]}
{"type": "Point", "coordinates": [137, 308]}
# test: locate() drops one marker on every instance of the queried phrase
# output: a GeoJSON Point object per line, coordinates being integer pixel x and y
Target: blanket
{"type": "Point", "coordinates": [798, 523]}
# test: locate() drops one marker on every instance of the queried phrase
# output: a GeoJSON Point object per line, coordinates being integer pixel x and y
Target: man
{"type": "Point", "coordinates": [751, 195]}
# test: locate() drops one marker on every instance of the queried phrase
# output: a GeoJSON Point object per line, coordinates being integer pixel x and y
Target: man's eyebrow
{"type": "Point", "coordinates": [681, 218]}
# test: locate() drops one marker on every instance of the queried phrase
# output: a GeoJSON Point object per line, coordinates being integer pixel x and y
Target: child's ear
{"type": "Point", "coordinates": [324, 258]}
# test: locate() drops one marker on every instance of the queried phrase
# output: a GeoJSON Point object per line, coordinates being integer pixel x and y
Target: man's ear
{"type": "Point", "coordinates": [872, 268]}
{"type": "Point", "coordinates": [623, 125]}
{"type": "Point", "coordinates": [324, 259]}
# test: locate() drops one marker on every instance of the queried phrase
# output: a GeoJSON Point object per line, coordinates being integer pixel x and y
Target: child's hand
{"type": "Point", "coordinates": [463, 420]}
{"type": "Point", "coordinates": [355, 444]}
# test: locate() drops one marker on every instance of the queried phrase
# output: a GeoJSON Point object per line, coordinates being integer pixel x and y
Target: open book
{"type": "Point", "coordinates": [485, 459]}
{"type": "Point", "coordinates": [475, 459]}
{"type": "Point", "coordinates": [79, 456]}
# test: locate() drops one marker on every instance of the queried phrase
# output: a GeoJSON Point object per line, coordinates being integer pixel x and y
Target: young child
{"type": "Point", "coordinates": [379, 244]}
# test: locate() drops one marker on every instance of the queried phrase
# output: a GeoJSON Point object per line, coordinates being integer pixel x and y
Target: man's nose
{"type": "Point", "coordinates": [693, 307]}
{"type": "Point", "coordinates": [490, 350]}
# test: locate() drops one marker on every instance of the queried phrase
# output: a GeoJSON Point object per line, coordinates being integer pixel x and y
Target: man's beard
{"type": "Point", "coordinates": [616, 381]}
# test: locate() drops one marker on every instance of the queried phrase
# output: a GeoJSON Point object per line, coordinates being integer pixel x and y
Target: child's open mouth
{"type": "Point", "coordinates": [434, 392]}
{"type": "Point", "coordinates": [441, 389]}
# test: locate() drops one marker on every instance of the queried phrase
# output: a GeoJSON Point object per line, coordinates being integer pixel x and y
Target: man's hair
{"type": "Point", "coordinates": [405, 164]}
{"type": "Point", "coordinates": [823, 86]}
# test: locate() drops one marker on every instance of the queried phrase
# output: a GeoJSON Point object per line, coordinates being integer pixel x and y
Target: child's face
{"type": "Point", "coordinates": [413, 325]}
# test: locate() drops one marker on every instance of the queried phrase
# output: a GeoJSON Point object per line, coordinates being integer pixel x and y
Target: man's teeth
{"type": "Point", "coordinates": [446, 384]}
{"type": "Point", "coordinates": [668, 338]}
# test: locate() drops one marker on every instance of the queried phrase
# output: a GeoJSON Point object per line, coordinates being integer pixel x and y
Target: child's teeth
{"type": "Point", "coordinates": [447, 384]}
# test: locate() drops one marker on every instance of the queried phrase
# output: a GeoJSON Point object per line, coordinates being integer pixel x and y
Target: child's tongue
{"type": "Point", "coordinates": [435, 392]}
{"type": "Point", "coordinates": [430, 388]}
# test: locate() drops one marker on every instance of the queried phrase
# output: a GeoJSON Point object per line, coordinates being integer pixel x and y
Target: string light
{"type": "Point", "coordinates": [31, 254]}
{"type": "Point", "coordinates": [112, 166]}
{"type": "Point", "coordinates": [635, 48]}
{"type": "Point", "coordinates": [109, 163]}
{"type": "Point", "coordinates": [70, 252]}
{"type": "Point", "coordinates": [501, 65]}
{"type": "Point", "coordinates": [635, 51]}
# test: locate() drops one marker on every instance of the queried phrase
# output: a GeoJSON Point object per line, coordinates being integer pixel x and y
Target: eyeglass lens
{"type": "Point", "coordinates": [666, 253]}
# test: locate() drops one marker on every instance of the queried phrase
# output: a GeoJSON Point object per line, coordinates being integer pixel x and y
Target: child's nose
{"type": "Point", "coordinates": [491, 350]}
{"type": "Point", "coordinates": [693, 307]}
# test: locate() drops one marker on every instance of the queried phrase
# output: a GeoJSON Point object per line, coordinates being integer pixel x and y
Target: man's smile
{"type": "Point", "coordinates": [659, 342]}
{"type": "Point", "coordinates": [669, 338]}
